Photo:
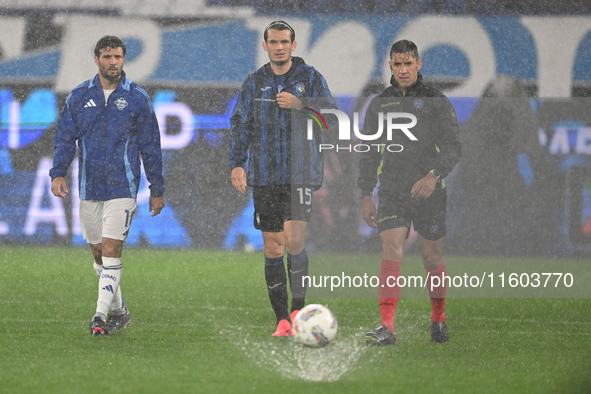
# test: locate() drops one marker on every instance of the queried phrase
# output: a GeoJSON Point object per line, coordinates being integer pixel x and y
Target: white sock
{"type": "Point", "coordinates": [98, 269]}
{"type": "Point", "coordinates": [117, 306]}
{"type": "Point", "coordinates": [108, 285]}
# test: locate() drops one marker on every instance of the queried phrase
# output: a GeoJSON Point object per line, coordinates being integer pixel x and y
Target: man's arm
{"type": "Point", "coordinates": [448, 139]}
{"type": "Point", "coordinates": [151, 152]}
{"type": "Point", "coordinates": [64, 145]}
{"type": "Point", "coordinates": [156, 205]}
{"type": "Point", "coordinates": [448, 146]}
{"type": "Point", "coordinates": [369, 161]}
{"type": "Point", "coordinates": [59, 187]}
{"type": "Point", "coordinates": [238, 178]}
{"type": "Point", "coordinates": [240, 124]}
{"type": "Point", "coordinates": [150, 148]}
{"type": "Point", "coordinates": [369, 212]}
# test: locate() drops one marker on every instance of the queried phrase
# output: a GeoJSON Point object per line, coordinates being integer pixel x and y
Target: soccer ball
{"type": "Point", "coordinates": [314, 326]}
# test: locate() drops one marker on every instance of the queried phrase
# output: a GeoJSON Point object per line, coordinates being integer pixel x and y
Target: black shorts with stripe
{"type": "Point", "coordinates": [400, 210]}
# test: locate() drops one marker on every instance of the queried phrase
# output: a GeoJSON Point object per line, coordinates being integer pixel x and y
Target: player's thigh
{"type": "Point", "coordinates": [394, 211]}
{"type": "Point", "coordinates": [117, 217]}
{"type": "Point", "coordinates": [91, 221]}
{"type": "Point", "coordinates": [269, 208]}
{"type": "Point", "coordinates": [393, 243]}
{"type": "Point", "coordinates": [295, 236]}
{"type": "Point", "coordinates": [431, 215]}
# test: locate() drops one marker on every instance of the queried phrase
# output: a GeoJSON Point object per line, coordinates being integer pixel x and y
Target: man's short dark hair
{"type": "Point", "coordinates": [109, 42]}
{"type": "Point", "coordinates": [404, 46]}
{"type": "Point", "coordinates": [279, 25]}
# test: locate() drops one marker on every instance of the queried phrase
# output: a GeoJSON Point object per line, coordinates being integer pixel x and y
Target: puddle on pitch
{"type": "Point", "coordinates": [295, 361]}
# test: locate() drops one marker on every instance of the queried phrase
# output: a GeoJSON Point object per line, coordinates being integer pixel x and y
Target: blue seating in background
{"type": "Point", "coordinates": [318, 7]}
{"type": "Point", "coordinates": [456, 7]}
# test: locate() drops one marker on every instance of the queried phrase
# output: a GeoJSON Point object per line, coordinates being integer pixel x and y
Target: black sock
{"type": "Point", "coordinates": [297, 267]}
{"type": "Point", "coordinates": [277, 286]}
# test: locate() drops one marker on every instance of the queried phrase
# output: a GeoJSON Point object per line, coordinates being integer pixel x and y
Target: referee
{"type": "Point", "coordinates": [411, 184]}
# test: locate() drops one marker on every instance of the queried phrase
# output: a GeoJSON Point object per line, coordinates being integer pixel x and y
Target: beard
{"type": "Point", "coordinates": [111, 77]}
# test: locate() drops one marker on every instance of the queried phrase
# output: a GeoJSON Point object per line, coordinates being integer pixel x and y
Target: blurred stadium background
{"type": "Point", "coordinates": [518, 73]}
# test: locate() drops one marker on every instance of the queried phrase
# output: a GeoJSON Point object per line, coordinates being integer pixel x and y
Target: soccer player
{"type": "Point", "coordinates": [260, 156]}
{"type": "Point", "coordinates": [112, 121]}
{"type": "Point", "coordinates": [411, 187]}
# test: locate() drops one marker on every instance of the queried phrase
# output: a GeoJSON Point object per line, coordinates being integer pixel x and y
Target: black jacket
{"type": "Point", "coordinates": [401, 161]}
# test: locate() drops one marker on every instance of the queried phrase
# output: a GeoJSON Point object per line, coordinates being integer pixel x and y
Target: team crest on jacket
{"type": "Point", "coordinates": [300, 88]}
{"type": "Point", "coordinates": [418, 104]}
{"type": "Point", "coordinates": [120, 103]}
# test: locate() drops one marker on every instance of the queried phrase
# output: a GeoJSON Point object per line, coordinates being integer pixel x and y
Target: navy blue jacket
{"type": "Point", "coordinates": [261, 132]}
{"type": "Point", "coordinates": [110, 140]}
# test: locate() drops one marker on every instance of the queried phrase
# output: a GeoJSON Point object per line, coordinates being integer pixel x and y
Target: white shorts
{"type": "Point", "coordinates": [106, 219]}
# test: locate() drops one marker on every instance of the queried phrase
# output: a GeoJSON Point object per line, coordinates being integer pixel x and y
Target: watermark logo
{"type": "Point", "coordinates": [388, 124]}
{"type": "Point", "coordinates": [317, 117]}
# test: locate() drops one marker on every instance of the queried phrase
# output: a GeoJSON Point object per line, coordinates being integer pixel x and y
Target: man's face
{"type": "Point", "coordinates": [110, 63]}
{"type": "Point", "coordinates": [279, 46]}
{"type": "Point", "coordinates": [405, 68]}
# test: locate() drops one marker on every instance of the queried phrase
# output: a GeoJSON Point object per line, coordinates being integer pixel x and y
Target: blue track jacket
{"type": "Point", "coordinates": [110, 140]}
{"type": "Point", "coordinates": [261, 132]}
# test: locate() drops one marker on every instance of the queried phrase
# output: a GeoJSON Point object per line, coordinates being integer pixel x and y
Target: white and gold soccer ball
{"type": "Point", "coordinates": [314, 325]}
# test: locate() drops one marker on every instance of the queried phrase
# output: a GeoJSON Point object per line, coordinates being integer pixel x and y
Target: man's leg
{"type": "Point", "coordinates": [110, 277]}
{"type": "Point", "coordinates": [117, 306]}
{"type": "Point", "coordinates": [392, 255]}
{"type": "Point", "coordinates": [297, 262]}
{"type": "Point", "coordinates": [276, 278]}
{"type": "Point", "coordinates": [389, 291]}
{"type": "Point", "coordinates": [433, 262]}
{"type": "Point", "coordinates": [117, 216]}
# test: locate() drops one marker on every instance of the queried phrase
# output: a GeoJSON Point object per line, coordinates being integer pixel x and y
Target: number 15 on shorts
{"type": "Point", "coordinates": [305, 194]}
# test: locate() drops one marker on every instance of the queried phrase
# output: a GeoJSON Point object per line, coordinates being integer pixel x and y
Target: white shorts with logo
{"type": "Point", "coordinates": [106, 219]}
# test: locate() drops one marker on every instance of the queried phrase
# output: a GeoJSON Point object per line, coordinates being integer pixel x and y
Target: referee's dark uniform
{"type": "Point", "coordinates": [437, 146]}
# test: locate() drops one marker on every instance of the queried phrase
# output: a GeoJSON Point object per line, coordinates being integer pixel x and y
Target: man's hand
{"type": "Point", "coordinates": [156, 205]}
{"type": "Point", "coordinates": [59, 187]}
{"type": "Point", "coordinates": [287, 100]}
{"type": "Point", "coordinates": [424, 187]}
{"type": "Point", "coordinates": [369, 212]}
{"type": "Point", "coordinates": [239, 179]}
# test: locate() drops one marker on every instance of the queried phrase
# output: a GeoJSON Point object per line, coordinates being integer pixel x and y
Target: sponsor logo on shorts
{"type": "Point", "coordinates": [387, 218]}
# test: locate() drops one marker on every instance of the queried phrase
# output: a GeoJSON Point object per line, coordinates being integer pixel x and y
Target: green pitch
{"type": "Point", "coordinates": [201, 322]}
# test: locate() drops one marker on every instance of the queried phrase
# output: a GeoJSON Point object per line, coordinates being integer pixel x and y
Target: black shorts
{"type": "Point", "coordinates": [275, 205]}
{"type": "Point", "coordinates": [399, 210]}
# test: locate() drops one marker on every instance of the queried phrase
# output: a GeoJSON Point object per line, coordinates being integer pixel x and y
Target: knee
{"type": "Point", "coordinates": [431, 258]}
{"type": "Point", "coordinates": [112, 248]}
{"type": "Point", "coordinates": [294, 246]}
{"type": "Point", "coordinates": [97, 253]}
{"type": "Point", "coordinates": [392, 251]}
{"type": "Point", "coordinates": [273, 248]}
